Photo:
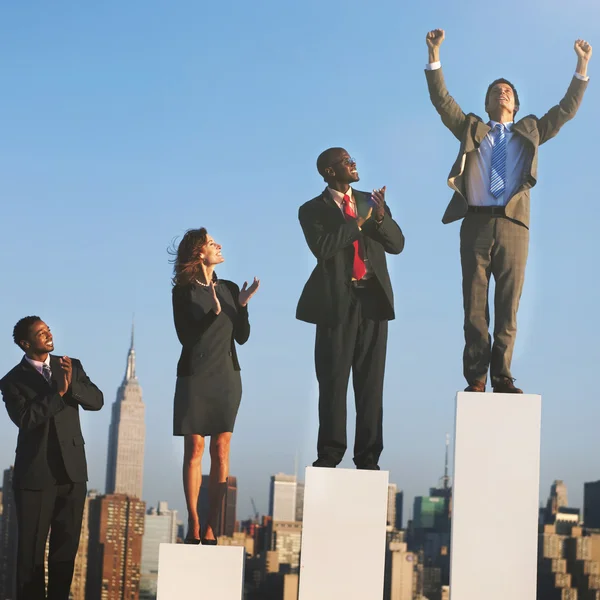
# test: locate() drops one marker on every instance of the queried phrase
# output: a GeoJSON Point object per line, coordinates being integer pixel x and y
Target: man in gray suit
{"type": "Point", "coordinates": [491, 178]}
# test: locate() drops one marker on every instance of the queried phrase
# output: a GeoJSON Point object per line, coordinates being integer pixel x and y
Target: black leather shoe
{"type": "Point", "coordinates": [368, 467]}
{"type": "Point", "coordinates": [321, 462]}
{"type": "Point", "coordinates": [505, 385]}
{"type": "Point", "coordinates": [476, 386]}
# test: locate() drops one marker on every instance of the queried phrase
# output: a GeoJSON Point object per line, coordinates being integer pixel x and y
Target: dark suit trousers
{"type": "Point", "coordinates": [58, 508]}
{"type": "Point", "coordinates": [491, 246]}
{"type": "Point", "coordinates": [359, 344]}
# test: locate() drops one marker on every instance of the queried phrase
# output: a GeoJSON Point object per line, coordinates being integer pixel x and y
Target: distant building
{"type": "Point", "coordinates": [116, 524]}
{"type": "Point", "coordinates": [283, 497]}
{"type": "Point", "coordinates": [8, 539]}
{"type": "Point", "coordinates": [126, 438]}
{"type": "Point", "coordinates": [391, 506]}
{"type": "Point", "coordinates": [400, 572]}
{"type": "Point", "coordinates": [227, 511]}
{"type": "Point", "coordinates": [591, 505]}
{"type": "Point", "coordinates": [430, 512]}
{"type": "Point", "coordinates": [80, 571]}
{"type": "Point", "coordinates": [160, 527]}
{"type": "Point", "coordinates": [286, 537]}
{"type": "Point", "coordinates": [557, 499]}
{"type": "Point", "coordinates": [399, 509]}
{"type": "Point", "coordinates": [299, 501]}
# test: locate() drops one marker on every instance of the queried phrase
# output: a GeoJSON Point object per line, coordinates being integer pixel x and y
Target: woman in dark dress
{"type": "Point", "coordinates": [210, 316]}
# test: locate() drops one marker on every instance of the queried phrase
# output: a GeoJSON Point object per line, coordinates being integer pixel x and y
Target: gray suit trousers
{"type": "Point", "coordinates": [498, 246]}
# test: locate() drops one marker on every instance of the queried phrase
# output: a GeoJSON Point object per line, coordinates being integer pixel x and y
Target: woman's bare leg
{"type": "Point", "coordinates": [192, 479]}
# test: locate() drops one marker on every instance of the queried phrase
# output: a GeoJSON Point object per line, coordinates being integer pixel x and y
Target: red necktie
{"type": "Point", "coordinates": [358, 268]}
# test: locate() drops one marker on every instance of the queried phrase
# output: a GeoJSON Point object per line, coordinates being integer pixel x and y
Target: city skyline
{"type": "Point", "coordinates": [131, 142]}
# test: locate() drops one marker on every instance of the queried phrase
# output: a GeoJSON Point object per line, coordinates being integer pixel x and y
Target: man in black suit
{"type": "Point", "coordinates": [43, 394]}
{"type": "Point", "coordinates": [349, 297]}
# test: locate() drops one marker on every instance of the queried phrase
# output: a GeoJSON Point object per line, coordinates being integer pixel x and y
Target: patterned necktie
{"type": "Point", "coordinates": [358, 267]}
{"type": "Point", "coordinates": [46, 372]}
{"type": "Point", "coordinates": [498, 174]}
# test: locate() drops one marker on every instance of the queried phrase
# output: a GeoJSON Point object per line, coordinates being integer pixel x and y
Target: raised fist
{"type": "Point", "coordinates": [435, 38]}
{"type": "Point", "coordinates": [583, 49]}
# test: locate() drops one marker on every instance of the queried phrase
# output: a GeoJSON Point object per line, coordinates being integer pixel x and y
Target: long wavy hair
{"type": "Point", "coordinates": [187, 262]}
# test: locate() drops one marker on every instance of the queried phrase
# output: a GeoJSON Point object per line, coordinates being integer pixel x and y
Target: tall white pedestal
{"type": "Point", "coordinates": [495, 497]}
{"type": "Point", "coordinates": [187, 572]}
{"type": "Point", "coordinates": [343, 534]}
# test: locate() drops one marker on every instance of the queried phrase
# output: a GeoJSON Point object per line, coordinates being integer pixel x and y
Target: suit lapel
{"type": "Point", "coordinates": [481, 130]}
{"type": "Point", "coordinates": [331, 203]}
{"type": "Point", "coordinates": [524, 129]}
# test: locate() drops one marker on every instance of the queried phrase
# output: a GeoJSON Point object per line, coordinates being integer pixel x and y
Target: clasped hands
{"type": "Point", "coordinates": [377, 208]}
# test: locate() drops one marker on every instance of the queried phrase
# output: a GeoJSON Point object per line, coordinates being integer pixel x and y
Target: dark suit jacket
{"type": "Point", "coordinates": [35, 407]}
{"type": "Point", "coordinates": [190, 328]}
{"type": "Point", "coordinates": [471, 130]}
{"type": "Point", "coordinates": [330, 237]}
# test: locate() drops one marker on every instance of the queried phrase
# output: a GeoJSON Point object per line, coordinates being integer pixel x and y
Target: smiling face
{"type": "Point", "coordinates": [501, 98]}
{"type": "Point", "coordinates": [336, 165]}
{"type": "Point", "coordinates": [343, 168]}
{"type": "Point", "coordinates": [211, 252]}
{"type": "Point", "coordinates": [39, 341]}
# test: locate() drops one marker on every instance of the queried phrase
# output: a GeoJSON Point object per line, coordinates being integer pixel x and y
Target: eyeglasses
{"type": "Point", "coordinates": [346, 161]}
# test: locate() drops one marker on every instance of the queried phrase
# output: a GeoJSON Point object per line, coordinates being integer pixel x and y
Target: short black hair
{"type": "Point", "coordinates": [326, 159]}
{"type": "Point", "coordinates": [514, 89]}
{"type": "Point", "coordinates": [21, 329]}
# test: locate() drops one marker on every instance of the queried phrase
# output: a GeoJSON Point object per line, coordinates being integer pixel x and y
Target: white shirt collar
{"type": "Point", "coordinates": [36, 364]}
{"type": "Point", "coordinates": [507, 126]}
{"type": "Point", "coordinates": [338, 197]}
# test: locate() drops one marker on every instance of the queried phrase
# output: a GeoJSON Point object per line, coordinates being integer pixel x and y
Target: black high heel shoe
{"type": "Point", "coordinates": [206, 542]}
{"type": "Point", "coordinates": [189, 540]}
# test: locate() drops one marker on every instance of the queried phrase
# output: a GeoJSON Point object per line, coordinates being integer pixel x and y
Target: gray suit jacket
{"type": "Point", "coordinates": [471, 130]}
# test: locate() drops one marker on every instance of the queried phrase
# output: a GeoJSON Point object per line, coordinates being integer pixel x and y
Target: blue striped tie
{"type": "Point", "coordinates": [498, 176]}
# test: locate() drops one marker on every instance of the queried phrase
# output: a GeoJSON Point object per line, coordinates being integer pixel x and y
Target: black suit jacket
{"type": "Point", "coordinates": [36, 407]}
{"type": "Point", "coordinates": [326, 295]}
{"type": "Point", "coordinates": [190, 329]}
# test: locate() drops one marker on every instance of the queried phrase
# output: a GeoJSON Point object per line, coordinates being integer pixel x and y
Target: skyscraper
{"type": "Point", "coordinates": [557, 499]}
{"type": "Point", "coordinates": [399, 576]}
{"type": "Point", "coordinates": [227, 510]}
{"type": "Point", "coordinates": [399, 509]}
{"type": "Point", "coordinates": [80, 570]}
{"type": "Point", "coordinates": [160, 528]}
{"type": "Point", "coordinates": [299, 501]}
{"type": "Point", "coordinates": [282, 497]}
{"type": "Point", "coordinates": [125, 463]}
{"type": "Point", "coordinates": [391, 505]}
{"type": "Point", "coordinates": [8, 538]}
{"type": "Point", "coordinates": [116, 526]}
{"type": "Point", "coordinates": [591, 504]}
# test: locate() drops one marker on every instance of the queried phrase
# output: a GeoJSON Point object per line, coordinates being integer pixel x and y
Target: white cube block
{"type": "Point", "coordinates": [343, 534]}
{"type": "Point", "coordinates": [188, 572]}
{"type": "Point", "coordinates": [495, 497]}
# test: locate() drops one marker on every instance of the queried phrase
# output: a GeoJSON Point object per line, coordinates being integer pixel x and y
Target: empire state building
{"type": "Point", "coordinates": [125, 464]}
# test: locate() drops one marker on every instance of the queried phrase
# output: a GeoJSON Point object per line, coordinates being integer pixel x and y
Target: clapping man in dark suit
{"type": "Point", "coordinates": [349, 298]}
{"type": "Point", "coordinates": [491, 178]}
{"type": "Point", "coordinates": [43, 394]}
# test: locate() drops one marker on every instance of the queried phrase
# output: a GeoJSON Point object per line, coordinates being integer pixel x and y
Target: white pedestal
{"type": "Point", "coordinates": [187, 572]}
{"type": "Point", "coordinates": [495, 497]}
{"type": "Point", "coordinates": [343, 534]}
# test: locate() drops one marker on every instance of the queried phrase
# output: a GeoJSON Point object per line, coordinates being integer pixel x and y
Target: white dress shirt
{"type": "Point", "coordinates": [37, 365]}
{"type": "Point", "coordinates": [478, 168]}
{"type": "Point", "coordinates": [338, 198]}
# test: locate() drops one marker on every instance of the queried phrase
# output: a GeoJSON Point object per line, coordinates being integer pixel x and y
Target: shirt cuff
{"type": "Point", "coordinates": [434, 66]}
{"type": "Point", "coordinates": [582, 77]}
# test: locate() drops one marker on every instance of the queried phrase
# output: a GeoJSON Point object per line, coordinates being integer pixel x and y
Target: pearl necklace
{"type": "Point", "coordinates": [204, 284]}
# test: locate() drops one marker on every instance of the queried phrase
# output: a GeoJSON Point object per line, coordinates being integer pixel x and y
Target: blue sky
{"type": "Point", "coordinates": [124, 124]}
